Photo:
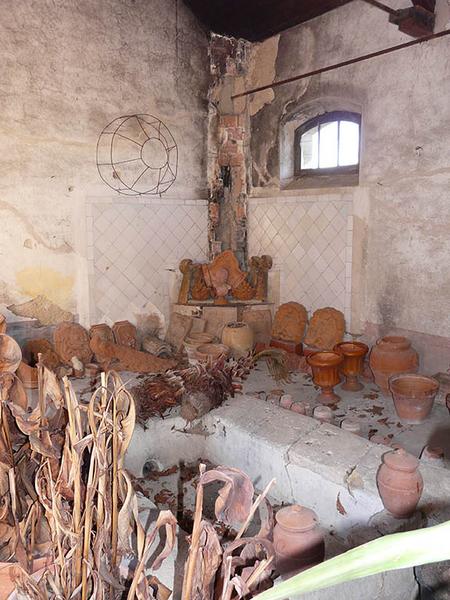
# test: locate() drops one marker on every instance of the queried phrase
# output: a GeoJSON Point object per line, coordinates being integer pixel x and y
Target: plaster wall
{"type": "Point", "coordinates": [401, 210]}
{"type": "Point", "coordinates": [68, 69]}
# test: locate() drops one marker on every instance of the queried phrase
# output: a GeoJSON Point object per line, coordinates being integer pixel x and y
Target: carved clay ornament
{"type": "Point", "coordinates": [71, 339]}
{"type": "Point", "coordinates": [125, 334]}
{"type": "Point", "coordinates": [326, 329]}
{"type": "Point", "coordinates": [290, 322]}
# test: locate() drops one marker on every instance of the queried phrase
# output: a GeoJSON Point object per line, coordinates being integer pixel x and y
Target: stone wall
{"type": "Point", "coordinates": [69, 68]}
{"type": "Point", "coordinates": [401, 213]}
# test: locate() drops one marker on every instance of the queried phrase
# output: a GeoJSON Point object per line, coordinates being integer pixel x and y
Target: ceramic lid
{"type": "Point", "coordinates": [297, 518]}
{"type": "Point", "coordinates": [401, 460]}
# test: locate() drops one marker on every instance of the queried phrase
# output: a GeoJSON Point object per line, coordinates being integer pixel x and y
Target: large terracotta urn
{"type": "Point", "coordinates": [392, 355]}
{"type": "Point", "coordinates": [353, 353]}
{"type": "Point", "coordinates": [413, 396]}
{"type": "Point", "coordinates": [400, 483]}
{"type": "Point", "coordinates": [238, 336]}
{"type": "Point", "coordinates": [298, 540]}
{"type": "Point", "coordinates": [325, 367]}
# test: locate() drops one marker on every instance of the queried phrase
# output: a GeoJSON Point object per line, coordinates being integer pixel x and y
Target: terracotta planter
{"type": "Point", "coordinates": [211, 351]}
{"type": "Point", "coordinates": [325, 366]}
{"type": "Point", "coordinates": [238, 336]}
{"type": "Point", "coordinates": [298, 540]}
{"type": "Point", "coordinates": [413, 396]}
{"type": "Point", "coordinates": [353, 353]}
{"type": "Point", "coordinates": [390, 356]}
{"type": "Point", "coordinates": [400, 483]}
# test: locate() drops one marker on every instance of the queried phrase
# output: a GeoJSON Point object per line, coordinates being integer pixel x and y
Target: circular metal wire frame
{"type": "Point", "coordinates": [133, 176]}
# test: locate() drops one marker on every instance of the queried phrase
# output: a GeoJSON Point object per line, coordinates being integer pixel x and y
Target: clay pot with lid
{"type": "Point", "coordinates": [298, 540]}
{"type": "Point", "coordinates": [325, 367]}
{"type": "Point", "coordinates": [392, 355]}
{"type": "Point", "coordinates": [400, 483]}
{"type": "Point", "coordinates": [238, 336]}
{"type": "Point", "coordinates": [353, 353]}
{"type": "Point", "coordinates": [413, 396]}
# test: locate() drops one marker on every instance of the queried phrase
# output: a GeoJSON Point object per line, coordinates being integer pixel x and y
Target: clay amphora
{"type": "Point", "coordinates": [238, 336]}
{"type": "Point", "coordinates": [353, 353]}
{"type": "Point", "coordinates": [413, 396]}
{"type": "Point", "coordinates": [400, 483]}
{"type": "Point", "coordinates": [325, 366]}
{"type": "Point", "coordinates": [392, 355]}
{"type": "Point", "coordinates": [298, 540]}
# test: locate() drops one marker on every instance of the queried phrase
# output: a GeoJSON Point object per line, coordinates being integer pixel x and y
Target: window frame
{"type": "Point", "coordinates": [328, 117]}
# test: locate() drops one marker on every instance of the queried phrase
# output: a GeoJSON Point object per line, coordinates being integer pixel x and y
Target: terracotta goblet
{"type": "Point", "coordinates": [325, 367]}
{"type": "Point", "coordinates": [353, 353]}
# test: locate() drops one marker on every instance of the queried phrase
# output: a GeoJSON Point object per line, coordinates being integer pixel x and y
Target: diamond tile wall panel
{"type": "Point", "coordinates": [310, 242]}
{"type": "Point", "coordinates": [135, 249]}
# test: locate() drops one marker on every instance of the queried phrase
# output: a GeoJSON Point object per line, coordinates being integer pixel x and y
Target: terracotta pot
{"type": "Point", "coordinates": [238, 336]}
{"type": "Point", "coordinates": [10, 354]}
{"type": "Point", "coordinates": [400, 483]}
{"type": "Point", "coordinates": [325, 366]}
{"type": "Point", "coordinates": [390, 356]}
{"type": "Point", "coordinates": [434, 455]}
{"type": "Point", "coordinates": [298, 540]}
{"type": "Point", "coordinates": [211, 351]}
{"type": "Point", "coordinates": [413, 396]}
{"type": "Point", "coordinates": [27, 375]}
{"type": "Point", "coordinates": [353, 353]}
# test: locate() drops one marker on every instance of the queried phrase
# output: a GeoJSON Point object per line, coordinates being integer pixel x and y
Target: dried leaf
{"type": "Point", "coordinates": [235, 499]}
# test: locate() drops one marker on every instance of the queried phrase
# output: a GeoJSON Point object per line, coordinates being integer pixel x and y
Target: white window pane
{"type": "Point", "coordinates": [348, 143]}
{"type": "Point", "coordinates": [328, 150]}
{"type": "Point", "coordinates": [309, 146]}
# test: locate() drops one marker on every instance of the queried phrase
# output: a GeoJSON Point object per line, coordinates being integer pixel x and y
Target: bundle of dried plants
{"type": "Point", "coordinates": [67, 504]}
{"type": "Point", "coordinates": [215, 380]}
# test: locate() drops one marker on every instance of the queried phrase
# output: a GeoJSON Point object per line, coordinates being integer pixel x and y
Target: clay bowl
{"type": "Point", "coordinates": [10, 354]}
{"type": "Point", "coordinates": [211, 351]}
{"type": "Point", "coordinates": [413, 396]}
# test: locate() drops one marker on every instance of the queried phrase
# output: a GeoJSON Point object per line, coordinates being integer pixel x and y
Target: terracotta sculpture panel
{"type": "Point", "coordinates": [290, 322]}
{"type": "Point", "coordinates": [71, 339]}
{"type": "Point", "coordinates": [326, 329]}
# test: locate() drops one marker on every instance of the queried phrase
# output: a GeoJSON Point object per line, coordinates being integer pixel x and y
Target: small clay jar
{"type": "Point", "coordinates": [353, 353]}
{"type": "Point", "coordinates": [351, 425]}
{"type": "Point", "coordinates": [238, 336]}
{"type": "Point", "coordinates": [323, 414]}
{"type": "Point", "coordinates": [325, 366]}
{"type": "Point", "coordinates": [390, 356]}
{"type": "Point", "coordinates": [413, 396]}
{"type": "Point", "coordinates": [400, 483]}
{"type": "Point", "coordinates": [298, 540]}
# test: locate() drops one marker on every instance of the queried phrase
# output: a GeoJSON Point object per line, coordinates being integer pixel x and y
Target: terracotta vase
{"type": "Point", "coordinates": [325, 367]}
{"type": "Point", "coordinates": [413, 396]}
{"type": "Point", "coordinates": [238, 336]}
{"type": "Point", "coordinates": [390, 356]}
{"type": "Point", "coordinates": [400, 483]}
{"type": "Point", "coordinates": [298, 540]}
{"type": "Point", "coordinates": [211, 351]}
{"type": "Point", "coordinates": [353, 353]}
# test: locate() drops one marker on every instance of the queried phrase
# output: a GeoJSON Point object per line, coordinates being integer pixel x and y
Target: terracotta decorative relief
{"type": "Point", "coordinates": [290, 322]}
{"type": "Point", "coordinates": [125, 334]}
{"type": "Point", "coordinates": [71, 339]}
{"type": "Point", "coordinates": [326, 329]}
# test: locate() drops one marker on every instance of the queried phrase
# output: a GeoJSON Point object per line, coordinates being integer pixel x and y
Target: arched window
{"type": "Point", "coordinates": [328, 144]}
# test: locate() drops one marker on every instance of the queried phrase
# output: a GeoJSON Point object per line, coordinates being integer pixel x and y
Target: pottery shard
{"type": "Point", "coordinates": [290, 322]}
{"type": "Point", "coordinates": [71, 339]}
{"type": "Point", "coordinates": [260, 322]}
{"type": "Point", "coordinates": [326, 329]}
{"type": "Point", "coordinates": [125, 334]}
{"type": "Point", "coordinates": [42, 309]}
{"type": "Point", "coordinates": [179, 327]}
{"type": "Point", "coordinates": [128, 359]}
{"type": "Point", "coordinates": [41, 346]}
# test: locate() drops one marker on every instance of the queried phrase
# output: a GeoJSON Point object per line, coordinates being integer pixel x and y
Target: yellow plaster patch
{"type": "Point", "coordinates": [36, 281]}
